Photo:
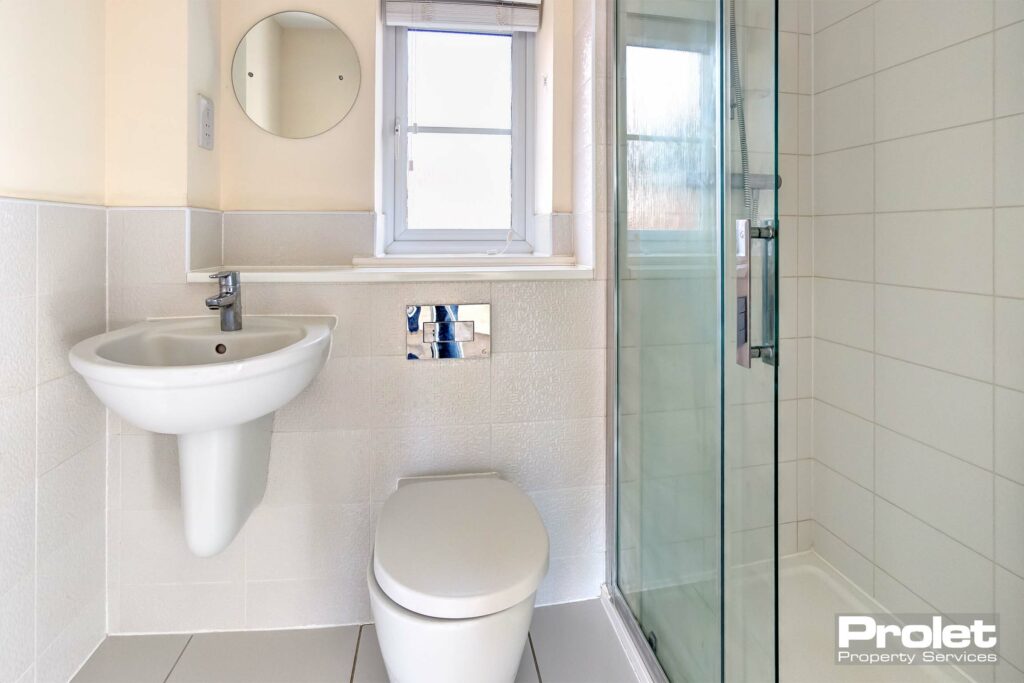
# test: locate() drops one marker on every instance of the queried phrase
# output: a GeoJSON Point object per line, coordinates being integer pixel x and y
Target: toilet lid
{"type": "Point", "coordinates": [459, 547]}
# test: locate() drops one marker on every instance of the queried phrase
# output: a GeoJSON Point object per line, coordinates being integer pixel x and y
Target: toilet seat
{"type": "Point", "coordinates": [459, 547]}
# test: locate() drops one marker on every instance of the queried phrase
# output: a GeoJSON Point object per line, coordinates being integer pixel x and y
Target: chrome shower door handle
{"type": "Point", "coordinates": [745, 349]}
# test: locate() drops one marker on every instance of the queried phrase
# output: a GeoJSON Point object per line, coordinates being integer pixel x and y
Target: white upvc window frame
{"type": "Point", "coordinates": [397, 237]}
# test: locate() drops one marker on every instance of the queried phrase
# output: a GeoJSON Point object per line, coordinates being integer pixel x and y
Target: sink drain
{"type": "Point", "coordinates": [220, 348]}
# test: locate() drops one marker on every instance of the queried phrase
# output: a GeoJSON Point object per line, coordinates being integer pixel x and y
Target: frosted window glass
{"type": "Point", "coordinates": [459, 181]}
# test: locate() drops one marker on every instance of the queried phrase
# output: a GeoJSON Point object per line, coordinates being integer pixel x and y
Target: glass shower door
{"type": "Point", "coordinates": [695, 476]}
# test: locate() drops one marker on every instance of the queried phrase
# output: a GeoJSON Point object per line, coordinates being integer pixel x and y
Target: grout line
{"type": "Point", "coordinates": [355, 655]}
{"type": "Point", "coordinates": [533, 654]}
{"type": "Point", "coordinates": [979, 207]}
{"type": "Point", "coordinates": [815, 30]}
{"type": "Point", "coordinates": [178, 658]}
{"type": "Point", "coordinates": [906, 286]}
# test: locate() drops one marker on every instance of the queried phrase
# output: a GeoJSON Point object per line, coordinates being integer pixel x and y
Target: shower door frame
{"type": "Point", "coordinates": [627, 619]}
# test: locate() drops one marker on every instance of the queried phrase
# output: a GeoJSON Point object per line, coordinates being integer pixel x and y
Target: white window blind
{"type": "Point", "coordinates": [464, 15]}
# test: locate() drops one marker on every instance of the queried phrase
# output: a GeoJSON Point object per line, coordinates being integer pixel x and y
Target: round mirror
{"type": "Point", "coordinates": [295, 74]}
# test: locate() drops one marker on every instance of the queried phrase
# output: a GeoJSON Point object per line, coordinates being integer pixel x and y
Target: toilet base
{"type": "Point", "coordinates": [422, 649]}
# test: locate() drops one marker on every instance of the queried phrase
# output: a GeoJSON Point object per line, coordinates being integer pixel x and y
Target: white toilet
{"type": "Point", "coordinates": [456, 565]}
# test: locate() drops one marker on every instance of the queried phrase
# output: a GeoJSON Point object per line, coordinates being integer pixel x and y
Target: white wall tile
{"type": "Point", "coordinates": [65, 319]}
{"type": "Point", "coordinates": [844, 182]}
{"type": "Point", "coordinates": [572, 578]}
{"type": "Point", "coordinates": [406, 393]}
{"type": "Point", "coordinates": [546, 385]}
{"type": "Point", "coordinates": [147, 246]}
{"type": "Point", "coordinates": [148, 472]}
{"type": "Point", "coordinates": [1009, 171]}
{"type": "Point", "coordinates": [951, 495]}
{"type": "Point", "coordinates": [936, 249]}
{"type": "Point", "coordinates": [905, 29]}
{"type": "Point", "coordinates": [910, 551]}
{"type": "Point", "coordinates": [1009, 514]}
{"type": "Point", "coordinates": [845, 443]}
{"type": "Point", "coordinates": [205, 239]}
{"type": "Point", "coordinates": [1009, 252]}
{"type": "Point", "coordinates": [844, 312]}
{"type": "Point", "coordinates": [844, 508]}
{"type": "Point", "coordinates": [18, 259]}
{"type": "Point", "coordinates": [574, 519]}
{"type": "Point", "coordinates": [1009, 96]}
{"type": "Point", "coordinates": [18, 525]}
{"type": "Point", "coordinates": [828, 12]}
{"type": "Point", "coordinates": [844, 116]}
{"type": "Point", "coordinates": [72, 243]}
{"type": "Point", "coordinates": [852, 564]}
{"type": "Point", "coordinates": [959, 76]}
{"type": "Point", "coordinates": [17, 629]}
{"type": "Point", "coordinates": [944, 330]}
{"type": "Point", "coordinates": [949, 169]}
{"type": "Point", "coordinates": [1008, 12]}
{"type": "Point", "coordinates": [17, 448]}
{"type": "Point", "coordinates": [17, 353]}
{"type": "Point", "coordinates": [844, 51]}
{"type": "Point", "coordinates": [844, 377]}
{"type": "Point", "coordinates": [340, 599]}
{"type": "Point", "coordinates": [325, 468]}
{"type": "Point", "coordinates": [547, 316]}
{"type": "Point", "coordinates": [339, 398]}
{"type": "Point", "coordinates": [947, 412]}
{"type": "Point", "coordinates": [181, 608]}
{"type": "Point", "coordinates": [313, 238]}
{"type": "Point", "coordinates": [553, 454]}
{"type": "Point", "coordinates": [1009, 434]}
{"type": "Point", "coordinates": [1010, 607]}
{"type": "Point", "coordinates": [1009, 333]}
{"type": "Point", "coordinates": [427, 450]}
{"type": "Point", "coordinates": [843, 246]}
{"type": "Point", "coordinates": [154, 551]}
{"type": "Point", "coordinates": [72, 418]}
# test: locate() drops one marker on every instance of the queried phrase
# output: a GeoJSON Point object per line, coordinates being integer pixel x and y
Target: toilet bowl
{"type": "Point", "coordinates": [455, 570]}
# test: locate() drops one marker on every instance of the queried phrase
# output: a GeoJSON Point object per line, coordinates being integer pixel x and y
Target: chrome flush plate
{"type": "Point", "coordinates": [448, 331]}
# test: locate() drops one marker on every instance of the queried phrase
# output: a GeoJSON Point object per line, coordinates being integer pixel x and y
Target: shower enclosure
{"type": "Point", "coordinates": [697, 352]}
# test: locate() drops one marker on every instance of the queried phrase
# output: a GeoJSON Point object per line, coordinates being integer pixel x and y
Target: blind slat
{"type": "Point", "coordinates": [478, 15]}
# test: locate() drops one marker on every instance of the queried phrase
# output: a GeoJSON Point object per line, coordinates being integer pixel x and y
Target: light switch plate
{"type": "Point", "coordinates": [205, 122]}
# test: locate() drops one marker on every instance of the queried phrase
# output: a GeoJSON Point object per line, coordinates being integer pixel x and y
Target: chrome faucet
{"type": "Point", "coordinates": [229, 301]}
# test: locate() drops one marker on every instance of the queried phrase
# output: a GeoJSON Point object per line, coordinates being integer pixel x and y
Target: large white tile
{"type": "Point", "coordinates": [905, 29]}
{"type": "Point", "coordinates": [1009, 171]}
{"type": "Point", "coordinates": [148, 472]}
{"type": "Point", "coordinates": [205, 239]}
{"type": "Point", "coordinates": [339, 398]}
{"type": "Point", "coordinates": [445, 392]}
{"type": "Point", "coordinates": [18, 258]}
{"type": "Point", "coordinates": [1009, 434]}
{"type": "Point", "coordinates": [844, 377]}
{"type": "Point", "coordinates": [426, 450]}
{"type": "Point", "coordinates": [1008, 12]}
{"type": "Point", "coordinates": [845, 509]}
{"type": "Point", "coordinates": [327, 468]}
{"type": "Point", "coordinates": [18, 529]}
{"type": "Point", "coordinates": [17, 629]}
{"type": "Point", "coordinates": [951, 495]}
{"type": "Point", "coordinates": [342, 598]}
{"type": "Point", "coordinates": [1009, 512]}
{"type": "Point", "coordinates": [936, 249]}
{"type": "Point", "coordinates": [949, 169]}
{"type": "Point", "coordinates": [18, 351]}
{"type": "Point", "coordinates": [944, 330]}
{"type": "Point", "coordinates": [844, 181]}
{"type": "Point", "coordinates": [843, 246]}
{"type": "Point", "coordinates": [551, 454]}
{"type": "Point", "coordinates": [843, 116]}
{"type": "Point", "coordinates": [72, 418]}
{"type": "Point", "coordinates": [147, 246]}
{"type": "Point", "coordinates": [844, 312]}
{"type": "Point", "coordinates": [543, 316]}
{"type": "Point", "coordinates": [17, 448]}
{"type": "Point", "coordinates": [845, 443]}
{"type": "Point", "coordinates": [180, 607]}
{"type": "Point", "coordinates": [854, 566]}
{"type": "Point", "coordinates": [292, 238]}
{"type": "Point", "coordinates": [574, 519]}
{"type": "Point", "coordinates": [572, 578]}
{"type": "Point", "coordinates": [827, 12]}
{"type": "Point", "coordinates": [71, 498]}
{"type": "Point", "coordinates": [911, 552]}
{"type": "Point", "coordinates": [306, 541]}
{"type": "Point", "coordinates": [844, 51]}
{"type": "Point", "coordinates": [133, 659]}
{"type": "Point", "coordinates": [1009, 252]}
{"type": "Point", "coordinates": [1009, 332]}
{"type": "Point", "coordinates": [1010, 607]}
{"type": "Point", "coordinates": [153, 550]}
{"type": "Point", "coordinates": [72, 247]}
{"type": "Point", "coordinates": [298, 656]}
{"type": "Point", "coordinates": [1009, 97]}
{"type": "Point", "coordinates": [959, 76]}
{"type": "Point", "coordinates": [65, 319]}
{"type": "Point", "coordinates": [547, 385]}
{"type": "Point", "coordinates": [947, 412]}
{"type": "Point", "coordinates": [575, 642]}
{"type": "Point", "coordinates": [80, 636]}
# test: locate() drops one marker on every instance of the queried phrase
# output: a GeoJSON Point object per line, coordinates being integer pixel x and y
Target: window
{"type": "Point", "coordinates": [457, 164]}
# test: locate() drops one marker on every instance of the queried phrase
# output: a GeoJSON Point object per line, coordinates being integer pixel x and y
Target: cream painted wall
{"type": "Point", "coordinates": [333, 171]}
{"type": "Point", "coordinates": [203, 77]}
{"type": "Point", "coordinates": [51, 99]}
{"type": "Point", "coordinates": [146, 86]}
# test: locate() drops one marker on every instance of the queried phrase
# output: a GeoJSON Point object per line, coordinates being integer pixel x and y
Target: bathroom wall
{"type": "Point", "coordinates": [52, 492]}
{"type": "Point", "coordinates": [919, 305]}
{"type": "Point", "coordinates": [533, 412]}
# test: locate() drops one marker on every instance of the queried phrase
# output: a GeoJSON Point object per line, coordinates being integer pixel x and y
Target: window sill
{"type": "Point", "coordinates": [411, 269]}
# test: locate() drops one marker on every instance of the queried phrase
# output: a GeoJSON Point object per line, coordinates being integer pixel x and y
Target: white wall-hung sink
{"type": "Point", "coordinates": [217, 391]}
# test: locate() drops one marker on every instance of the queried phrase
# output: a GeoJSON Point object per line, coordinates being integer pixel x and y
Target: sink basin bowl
{"type": "Point", "coordinates": [181, 376]}
{"type": "Point", "coordinates": [217, 391]}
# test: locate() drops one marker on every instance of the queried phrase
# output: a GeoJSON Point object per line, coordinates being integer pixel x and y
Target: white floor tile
{"type": "Point", "coordinates": [575, 642]}
{"type": "Point", "coordinates": [133, 659]}
{"type": "Point", "coordinates": [299, 656]}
